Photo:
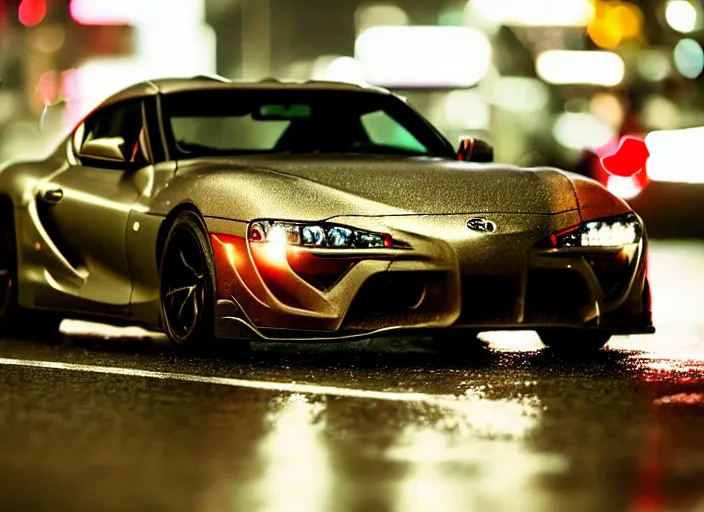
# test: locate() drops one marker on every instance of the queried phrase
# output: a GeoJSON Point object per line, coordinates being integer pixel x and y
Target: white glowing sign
{"type": "Point", "coordinates": [418, 56]}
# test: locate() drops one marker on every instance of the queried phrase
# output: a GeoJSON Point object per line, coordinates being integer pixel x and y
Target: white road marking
{"type": "Point", "coordinates": [308, 389]}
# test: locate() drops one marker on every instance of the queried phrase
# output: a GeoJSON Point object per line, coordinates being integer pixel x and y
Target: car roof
{"type": "Point", "coordinates": [215, 82]}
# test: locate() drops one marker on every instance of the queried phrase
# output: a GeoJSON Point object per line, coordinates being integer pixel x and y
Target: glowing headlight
{"type": "Point", "coordinates": [611, 232]}
{"type": "Point", "coordinates": [317, 235]}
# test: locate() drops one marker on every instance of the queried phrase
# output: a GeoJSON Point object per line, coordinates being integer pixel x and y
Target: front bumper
{"type": "Point", "coordinates": [450, 278]}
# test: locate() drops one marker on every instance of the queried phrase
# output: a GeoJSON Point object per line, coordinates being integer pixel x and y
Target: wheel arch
{"type": "Point", "coordinates": [166, 226]}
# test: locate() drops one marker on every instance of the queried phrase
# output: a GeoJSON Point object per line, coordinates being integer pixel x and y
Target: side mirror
{"type": "Point", "coordinates": [108, 150]}
{"type": "Point", "coordinates": [475, 150]}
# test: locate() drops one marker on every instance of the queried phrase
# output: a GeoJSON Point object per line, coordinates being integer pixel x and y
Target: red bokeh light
{"type": "Point", "coordinates": [31, 12]}
{"type": "Point", "coordinates": [629, 158]}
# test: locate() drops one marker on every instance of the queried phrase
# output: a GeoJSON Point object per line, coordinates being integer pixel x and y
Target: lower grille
{"type": "Point", "coordinates": [489, 299]}
{"type": "Point", "coordinates": [555, 296]}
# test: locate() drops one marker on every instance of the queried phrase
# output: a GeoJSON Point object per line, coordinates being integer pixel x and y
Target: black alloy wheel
{"type": "Point", "coordinates": [187, 287]}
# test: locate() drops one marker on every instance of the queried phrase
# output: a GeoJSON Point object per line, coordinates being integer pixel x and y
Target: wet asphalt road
{"type": "Point", "coordinates": [115, 421]}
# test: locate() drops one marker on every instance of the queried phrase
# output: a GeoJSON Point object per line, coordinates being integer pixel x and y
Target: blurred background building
{"type": "Point", "coordinates": [548, 82]}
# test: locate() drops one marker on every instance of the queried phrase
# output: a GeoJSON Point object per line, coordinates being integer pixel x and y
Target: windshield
{"type": "Point", "coordinates": [209, 123]}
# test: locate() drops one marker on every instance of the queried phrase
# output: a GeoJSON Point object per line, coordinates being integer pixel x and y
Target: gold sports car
{"type": "Point", "coordinates": [308, 212]}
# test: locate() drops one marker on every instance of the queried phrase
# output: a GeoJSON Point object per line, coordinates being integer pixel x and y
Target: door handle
{"type": "Point", "coordinates": [52, 195]}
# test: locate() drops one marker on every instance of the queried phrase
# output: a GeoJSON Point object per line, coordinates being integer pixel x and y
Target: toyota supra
{"type": "Point", "coordinates": [308, 211]}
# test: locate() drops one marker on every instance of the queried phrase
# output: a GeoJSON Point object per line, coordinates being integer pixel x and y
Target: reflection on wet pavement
{"type": "Point", "coordinates": [511, 427]}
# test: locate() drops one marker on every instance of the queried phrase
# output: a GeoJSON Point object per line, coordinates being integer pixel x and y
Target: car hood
{"type": "Point", "coordinates": [387, 186]}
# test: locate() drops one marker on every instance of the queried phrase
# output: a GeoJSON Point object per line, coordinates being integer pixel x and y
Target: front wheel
{"type": "Point", "coordinates": [574, 341]}
{"type": "Point", "coordinates": [186, 281]}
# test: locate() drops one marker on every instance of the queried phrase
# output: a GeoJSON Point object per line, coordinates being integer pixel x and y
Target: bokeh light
{"type": "Point", "coordinates": [615, 22]}
{"type": "Point", "coordinates": [581, 131]}
{"type": "Point", "coordinates": [423, 56]}
{"type": "Point", "coordinates": [517, 94]}
{"type": "Point", "coordinates": [31, 12]}
{"type": "Point", "coordinates": [608, 109]}
{"type": "Point", "coordinates": [47, 39]}
{"type": "Point", "coordinates": [654, 64]}
{"type": "Point", "coordinates": [580, 67]}
{"type": "Point", "coordinates": [675, 155]}
{"type": "Point", "coordinates": [624, 187]}
{"type": "Point", "coordinates": [681, 15]}
{"type": "Point", "coordinates": [338, 69]}
{"type": "Point", "coordinates": [382, 14]}
{"type": "Point", "coordinates": [467, 110]}
{"type": "Point", "coordinates": [660, 113]}
{"type": "Point", "coordinates": [689, 58]}
{"type": "Point", "coordinates": [539, 13]}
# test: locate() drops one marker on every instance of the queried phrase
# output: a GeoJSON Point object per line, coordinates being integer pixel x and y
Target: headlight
{"type": "Point", "coordinates": [324, 235]}
{"type": "Point", "coordinates": [611, 232]}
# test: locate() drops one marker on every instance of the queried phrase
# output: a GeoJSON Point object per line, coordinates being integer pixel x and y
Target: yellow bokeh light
{"type": "Point", "coordinates": [615, 22]}
{"type": "Point", "coordinates": [605, 33]}
{"type": "Point", "coordinates": [629, 17]}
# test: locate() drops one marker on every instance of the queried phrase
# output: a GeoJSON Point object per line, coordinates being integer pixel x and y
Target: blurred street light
{"type": "Point", "coordinates": [536, 13]}
{"type": "Point", "coordinates": [31, 12]}
{"type": "Point", "coordinates": [580, 67]}
{"type": "Point", "coordinates": [681, 15]}
{"type": "Point", "coordinates": [614, 23]}
{"type": "Point", "coordinates": [423, 57]}
{"type": "Point", "coordinates": [675, 155]}
{"type": "Point", "coordinates": [581, 131]}
{"type": "Point", "coordinates": [689, 58]}
{"type": "Point", "coordinates": [654, 64]}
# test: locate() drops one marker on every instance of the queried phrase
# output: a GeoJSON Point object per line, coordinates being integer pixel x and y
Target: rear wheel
{"type": "Point", "coordinates": [574, 341]}
{"type": "Point", "coordinates": [14, 320]}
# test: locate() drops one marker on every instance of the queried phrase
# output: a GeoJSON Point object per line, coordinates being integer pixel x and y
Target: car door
{"type": "Point", "coordinates": [84, 207]}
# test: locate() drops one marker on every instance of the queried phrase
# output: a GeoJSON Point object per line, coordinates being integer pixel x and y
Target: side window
{"type": "Point", "coordinates": [121, 120]}
{"type": "Point", "coordinates": [384, 130]}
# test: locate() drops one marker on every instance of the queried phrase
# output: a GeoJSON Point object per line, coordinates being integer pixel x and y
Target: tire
{"type": "Point", "coordinates": [14, 320]}
{"type": "Point", "coordinates": [186, 282]}
{"type": "Point", "coordinates": [574, 341]}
